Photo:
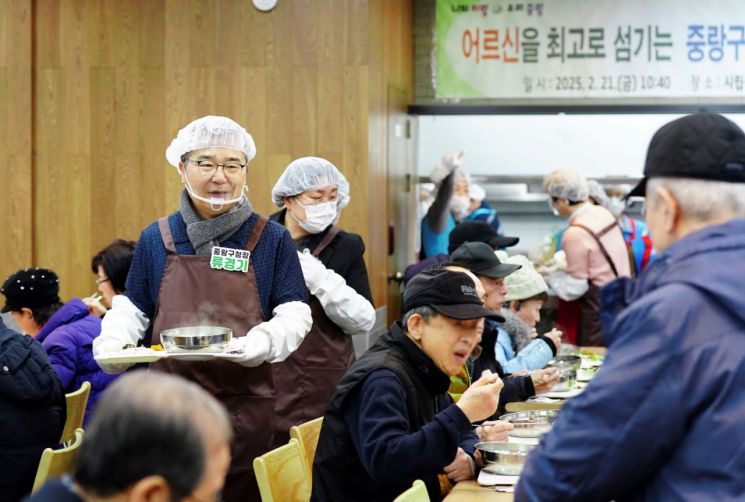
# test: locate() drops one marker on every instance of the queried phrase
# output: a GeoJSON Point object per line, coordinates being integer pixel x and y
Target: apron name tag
{"type": "Point", "coordinates": [232, 260]}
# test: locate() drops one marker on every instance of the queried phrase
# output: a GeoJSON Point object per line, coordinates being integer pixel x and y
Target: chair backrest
{"type": "Point", "coordinates": [56, 463]}
{"type": "Point", "coordinates": [417, 493]}
{"type": "Point", "coordinates": [307, 435]}
{"type": "Point", "coordinates": [76, 404]}
{"type": "Point", "coordinates": [282, 474]}
{"type": "Point", "coordinates": [531, 405]}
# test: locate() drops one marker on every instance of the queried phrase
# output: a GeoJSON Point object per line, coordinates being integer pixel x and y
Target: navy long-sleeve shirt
{"type": "Point", "coordinates": [279, 277]}
{"type": "Point", "coordinates": [375, 414]}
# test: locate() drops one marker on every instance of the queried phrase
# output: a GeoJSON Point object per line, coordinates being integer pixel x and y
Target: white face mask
{"type": "Point", "coordinates": [317, 216]}
{"type": "Point", "coordinates": [459, 205]}
{"type": "Point", "coordinates": [553, 208]}
{"type": "Point", "coordinates": [215, 203]}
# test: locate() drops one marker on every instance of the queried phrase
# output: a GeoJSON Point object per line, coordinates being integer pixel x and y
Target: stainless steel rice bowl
{"type": "Point", "coordinates": [568, 366]}
{"type": "Point", "coordinates": [196, 338]}
{"type": "Point", "coordinates": [504, 458]}
{"type": "Point", "coordinates": [530, 424]}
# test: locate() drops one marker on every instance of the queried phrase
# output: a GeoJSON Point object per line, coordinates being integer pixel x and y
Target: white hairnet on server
{"type": "Point", "coordinates": [567, 184]}
{"type": "Point", "coordinates": [310, 173]}
{"type": "Point", "coordinates": [210, 131]}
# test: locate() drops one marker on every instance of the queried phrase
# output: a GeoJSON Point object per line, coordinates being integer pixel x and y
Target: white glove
{"type": "Point", "coordinates": [349, 310]}
{"type": "Point", "coordinates": [314, 272]}
{"type": "Point", "coordinates": [124, 324]}
{"type": "Point", "coordinates": [560, 260]}
{"type": "Point", "coordinates": [254, 348]}
{"type": "Point", "coordinates": [445, 166]}
{"type": "Point", "coordinates": [567, 288]}
{"type": "Point", "coordinates": [276, 339]}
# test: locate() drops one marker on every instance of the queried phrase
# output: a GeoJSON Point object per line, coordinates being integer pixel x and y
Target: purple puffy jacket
{"type": "Point", "coordinates": [68, 339]}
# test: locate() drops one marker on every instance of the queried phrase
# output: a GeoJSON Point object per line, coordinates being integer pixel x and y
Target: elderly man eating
{"type": "Point", "coordinates": [391, 420]}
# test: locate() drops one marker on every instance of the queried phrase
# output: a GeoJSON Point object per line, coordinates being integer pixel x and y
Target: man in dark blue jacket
{"type": "Point", "coordinates": [391, 420]}
{"type": "Point", "coordinates": [662, 420]}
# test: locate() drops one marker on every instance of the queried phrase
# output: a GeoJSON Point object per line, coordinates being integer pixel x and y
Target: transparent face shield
{"type": "Point", "coordinates": [215, 203]}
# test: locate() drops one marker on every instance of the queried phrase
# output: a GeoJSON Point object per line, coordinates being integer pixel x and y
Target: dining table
{"type": "Point", "coordinates": [471, 491]}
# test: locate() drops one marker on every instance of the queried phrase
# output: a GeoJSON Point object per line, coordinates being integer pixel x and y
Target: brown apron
{"type": "Point", "coordinates": [192, 293]}
{"type": "Point", "coordinates": [590, 331]}
{"type": "Point", "coordinates": [307, 379]}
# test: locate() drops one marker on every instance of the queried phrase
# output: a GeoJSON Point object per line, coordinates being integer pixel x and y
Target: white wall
{"type": "Point", "coordinates": [598, 145]}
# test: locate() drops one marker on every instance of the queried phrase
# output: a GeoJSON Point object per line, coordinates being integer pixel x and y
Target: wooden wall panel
{"type": "Point", "coordinates": [110, 83]}
{"type": "Point", "coordinates": [390, 25]}
{"type": "Point", "coordinates": [16, 226]}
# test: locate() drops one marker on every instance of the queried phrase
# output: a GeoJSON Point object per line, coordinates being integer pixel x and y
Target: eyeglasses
{"type": "Point", "coordinates": [101, 280]}
{"type": "Point", "coordinates": [208, 168]}
{"type": "Point", "coordinates": [308, 201]}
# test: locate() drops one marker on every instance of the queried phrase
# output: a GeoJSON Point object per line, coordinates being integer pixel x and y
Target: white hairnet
{"type": "Point", "coordinates": [476, 192]}
{"type": "Point", "coordinates": [597, 193]}
{"type": "Point", "coordinates": [210, 131]}
{"type": "Point", "coordinates": [310, 173]}
{"type": "Point", "coordinates": [568, 184]}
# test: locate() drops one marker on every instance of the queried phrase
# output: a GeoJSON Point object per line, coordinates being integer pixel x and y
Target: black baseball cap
{"type": "Point", "coordinates": [30, 287]}
{"type": "Point", "coordinates": [703, 145]}
{"type": "Point", "coordinates": [478, 231]}
{"type": "Point", "coordinates": [480, 259]}
{"type": "Point", "coordinates": [450, 293]}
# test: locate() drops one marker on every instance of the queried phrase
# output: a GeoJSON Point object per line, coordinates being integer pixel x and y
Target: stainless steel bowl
{"type": "Point", "coordinates": [196, 338]}
{"type": "Point", "coordinates": [568, 366]}
{"type": "Point", "coordinates": [530, 424]}
{"type": "Point", "coordinates": [504, 458]}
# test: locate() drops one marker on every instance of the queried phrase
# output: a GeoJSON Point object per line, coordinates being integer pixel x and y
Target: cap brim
{"type": "Point", "coordinates": [503, 241]}
{"type": "Point", "coordinates": [498, 271]}
{"type": "Point", "coordinates": [639, 190]}
{"type": "Point", "coordinates": [467, 311]}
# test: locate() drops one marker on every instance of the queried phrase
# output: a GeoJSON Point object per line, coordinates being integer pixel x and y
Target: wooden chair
{"type": "Point", "coordinates": [282, 474]}
{"type": "Point", "coordinates": [531, 405]}
{"type": "Point", "coordinates": [417, 493]}
{"type": "Point", "coordinates": [55, 463]}
{"type": "Point", "coordinates": [307, 436]}
{"type": "Point", "coordinates": [76, 404]}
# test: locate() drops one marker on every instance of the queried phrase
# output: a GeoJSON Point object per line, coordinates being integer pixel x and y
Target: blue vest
{"type": "Point", "coordinates": [434, 243]}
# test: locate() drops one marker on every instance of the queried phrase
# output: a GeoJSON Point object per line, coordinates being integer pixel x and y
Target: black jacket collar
{"type": "Point", "coordinates": [430, 375]}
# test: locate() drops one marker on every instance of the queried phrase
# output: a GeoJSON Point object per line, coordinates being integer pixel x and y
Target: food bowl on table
{"type": "Point", "coordinates": [567, 349]}
{"type": "Point", "coordinates": [530, 424]}
{"type": "Point", "coordinates": [504, 458]}
{"type": "Point", "coordinates": [568, 366]}
{"type": "Point", "coordinates": [196, 339]}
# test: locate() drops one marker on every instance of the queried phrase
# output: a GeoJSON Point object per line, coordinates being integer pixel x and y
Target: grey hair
{"type": "Point", "coordinates": [150, 423]}
{"type": "Point", "coordinates": [702, 200]}
{"type": "Point", "coordinates": [427, 313]}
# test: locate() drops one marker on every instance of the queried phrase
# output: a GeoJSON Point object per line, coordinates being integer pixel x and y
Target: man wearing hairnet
{"type": "Point", "coordinates": [594, 248]}
{"type": "Point", "coordinates": [311, 192]}
{"type": "Point", "coordinates": [216, 262]}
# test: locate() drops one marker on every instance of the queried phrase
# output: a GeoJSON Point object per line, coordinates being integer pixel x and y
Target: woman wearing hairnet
{"type": "Point", "coordinates": [311, 192]}
{"type": "Point", "coordinates": [594, 248]}
{"type": "Point", "coordinates": [216, 262]}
